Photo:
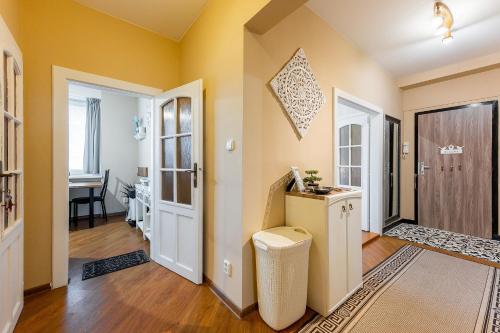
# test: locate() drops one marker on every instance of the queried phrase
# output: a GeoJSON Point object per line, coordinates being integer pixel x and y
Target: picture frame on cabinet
{"type": "Point", "coordinates": [299, 183]}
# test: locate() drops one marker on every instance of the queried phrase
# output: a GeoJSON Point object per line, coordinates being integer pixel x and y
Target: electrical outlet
{"type": "Point", "coordinates": [227, 267]}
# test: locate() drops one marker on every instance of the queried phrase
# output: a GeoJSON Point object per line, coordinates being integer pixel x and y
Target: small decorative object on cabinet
{"type": "Point", "coordinates": [142, 173]}
{"type": "Point", "coordinates": [312, 178]}
{"type": "Point", "coordinates": [322, 190]}
{"type": "Point", "coordinates": [335, 264]}
{"type": "Point", "coordinates": [298, 179]}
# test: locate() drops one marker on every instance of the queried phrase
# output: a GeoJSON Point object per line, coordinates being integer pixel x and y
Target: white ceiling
{"type": "Point", "coordinates": [399, 33]}
{"type": "Point", "coordinates": [169, 18]}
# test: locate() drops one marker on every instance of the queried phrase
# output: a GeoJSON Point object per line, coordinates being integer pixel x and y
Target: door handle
{"type": "Point", "coordinates": [344, 210]}
{"type": "Point", "coordinates": [194, 171]}
{"type": "Point", "coordinates": [422, 167]}
{"type": "Point", "coordinates": [350, 206]}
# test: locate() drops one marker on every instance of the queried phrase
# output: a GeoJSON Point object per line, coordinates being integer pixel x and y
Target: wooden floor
{"type": "Point", "coordinates": [145, 298]}
{"type": "Point", "coordinates": [368, 236]}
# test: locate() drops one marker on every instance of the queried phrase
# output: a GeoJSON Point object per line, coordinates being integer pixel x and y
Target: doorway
{"type": "Point", "coordinates": [358, 154]}
{"type": "Point", "coordinates": [392, 144]}
{"type": "Point", "coordinates": [456, 162]}
{"type": "Point", "coordinates": [187, 253]}
{"type": "Point", "coordinates": [109, 156]}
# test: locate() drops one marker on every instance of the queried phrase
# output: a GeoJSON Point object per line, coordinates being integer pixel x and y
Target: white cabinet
{"type": "Point", "coordinates": [335, 264]}
{"type": "Point", "coordinates": [143, 210]}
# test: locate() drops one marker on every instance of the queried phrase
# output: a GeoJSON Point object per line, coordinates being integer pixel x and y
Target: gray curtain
{"type": "Point", "coordinates": [92, 136]}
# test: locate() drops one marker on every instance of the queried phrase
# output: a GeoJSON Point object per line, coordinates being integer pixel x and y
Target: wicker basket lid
{"type": "Point", "coordinates": [282, 237]}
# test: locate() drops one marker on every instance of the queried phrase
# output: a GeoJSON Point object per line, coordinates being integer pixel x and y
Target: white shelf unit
{"type": "Point", "coordinates": [143, 210]}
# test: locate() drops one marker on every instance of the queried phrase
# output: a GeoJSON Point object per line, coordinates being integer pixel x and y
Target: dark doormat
{"type": "Point", "coordinates": [109, 265]}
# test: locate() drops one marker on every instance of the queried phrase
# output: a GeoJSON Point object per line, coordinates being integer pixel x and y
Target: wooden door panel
{"type": "Point", "coordinates": [429, 190]}
{"type": "Point", "coordinates": [478, 171]}
{"type": "Point", "coordinates": [455, 194]}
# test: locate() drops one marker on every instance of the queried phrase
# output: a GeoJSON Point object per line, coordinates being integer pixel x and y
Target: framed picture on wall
{"type": "Point", "coordinates": [298, 179]}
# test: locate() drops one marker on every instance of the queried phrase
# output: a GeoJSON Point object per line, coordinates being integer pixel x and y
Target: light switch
{"type": "Point", "coordinates": [230, 145]}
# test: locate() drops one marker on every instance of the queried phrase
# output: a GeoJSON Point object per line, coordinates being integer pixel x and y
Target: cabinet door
{"type": "Point", "coordinates": [338, 252]}
{"type": "Point", "coordinates": [354, 244]}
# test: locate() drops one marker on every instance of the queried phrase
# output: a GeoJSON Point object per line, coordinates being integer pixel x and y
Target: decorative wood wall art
{"type": "Point", "coordinates": [299, 92]}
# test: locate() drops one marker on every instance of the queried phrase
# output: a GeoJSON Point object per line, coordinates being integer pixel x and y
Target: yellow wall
{"type": "Point", "coordinates": [213, 50]}
{"type": "Point", "coordinates": [483, 86]}
{"type": "Point", "coordinates": [64, 33]}
{"type": "Point", "coordinates": [10, 11]}
{"type": "Point", "coordinates": [270, 143]}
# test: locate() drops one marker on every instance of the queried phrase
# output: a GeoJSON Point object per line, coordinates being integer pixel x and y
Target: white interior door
{"type": "Point", "coordinates": [177, 239]}
{"type": "Point", "coordinates": [353, 159]}
{"type": "Point", "coordinates": [11, 182]}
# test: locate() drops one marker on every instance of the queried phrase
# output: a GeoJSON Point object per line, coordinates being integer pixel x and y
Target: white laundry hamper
{"type": "Point", "coordinates": [282, 258]}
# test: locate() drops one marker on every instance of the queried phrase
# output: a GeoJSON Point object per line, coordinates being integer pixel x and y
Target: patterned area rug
{"type": "Point", "coordinates": [109, 265]}
{"type": "Point", "coordinates": [417, 290]}
{"type": "Point", "coordinates": [468, 245]}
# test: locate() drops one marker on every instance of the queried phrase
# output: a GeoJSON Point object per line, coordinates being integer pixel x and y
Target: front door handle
{"type": "Point", "coordinates": [422, 167]}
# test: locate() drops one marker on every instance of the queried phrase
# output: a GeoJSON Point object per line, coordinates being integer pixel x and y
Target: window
{"type": "Point", "coordinates": [77, 118]}
{"type": "Point", "coordinates": [349, 156]}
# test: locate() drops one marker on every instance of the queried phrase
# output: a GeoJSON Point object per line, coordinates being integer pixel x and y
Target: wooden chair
{"type": "Point", "coordinates": [86, 200]}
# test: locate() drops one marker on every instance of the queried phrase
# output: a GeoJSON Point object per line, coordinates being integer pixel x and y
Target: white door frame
{"type": "Point", "coordinates": [61, 77]}
{"type": "Point", "coordinates": [376, 120]}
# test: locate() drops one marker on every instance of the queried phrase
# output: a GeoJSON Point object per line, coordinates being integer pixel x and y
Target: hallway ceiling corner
{"type": "Point", "coordinates": [169, 18]}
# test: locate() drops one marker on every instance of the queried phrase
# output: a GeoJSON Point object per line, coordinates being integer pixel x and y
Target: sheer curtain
{"type": "Point", "coordinates": [92, 137]}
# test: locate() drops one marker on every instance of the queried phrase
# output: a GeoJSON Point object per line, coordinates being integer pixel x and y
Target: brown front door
{"type": "Point", "coordinates": [454, 185]}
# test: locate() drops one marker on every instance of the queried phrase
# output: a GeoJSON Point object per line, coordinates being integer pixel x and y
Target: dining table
{"type": "Point", "coordinates": [90, 186]}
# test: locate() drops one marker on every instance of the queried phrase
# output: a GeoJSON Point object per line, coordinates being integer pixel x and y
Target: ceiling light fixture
{"type": "Point", "coordinates": [443, 15]}
{"type": "Point", "coordinates": [447, 38]}
{"type": "Point", "coordinates": [437, 21]}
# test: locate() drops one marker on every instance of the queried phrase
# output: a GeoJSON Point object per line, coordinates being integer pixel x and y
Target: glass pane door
{"type": "Point", "coordinates": [350, 155]}
{"type": "Point", "coordinates": [176, 146]}
{"type": "Point", "coordinates": [11, 145]}
{"type": "Point", "coordinates": [392, 137]}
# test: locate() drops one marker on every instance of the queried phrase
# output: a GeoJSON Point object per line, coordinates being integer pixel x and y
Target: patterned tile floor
{"type": "Point", "coordinates": [468, 245]}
